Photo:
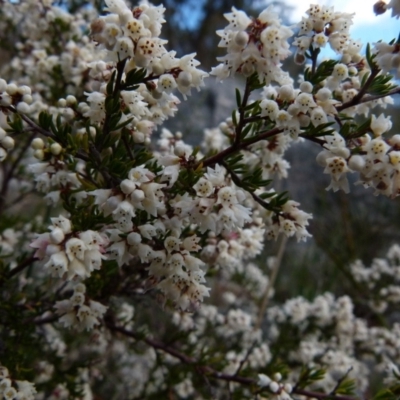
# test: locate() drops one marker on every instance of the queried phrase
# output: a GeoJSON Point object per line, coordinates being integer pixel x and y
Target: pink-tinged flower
{"type": "Point", "coordinates": [41, 243]}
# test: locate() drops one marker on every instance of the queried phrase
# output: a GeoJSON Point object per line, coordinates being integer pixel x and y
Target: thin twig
{"type": "Point", "coordinates": [211, 372]}
{"type": "Point", "coordinates": [217, 158]}
{"type": "Point", "coordinates": [20, 267]}
{"type": "Point", "coordinates": [47, 320]}
{"type": "Point", "coordinates": [339, 382]}
{"type": "Point", "coordinates": [358, 98]}
{"type": "Point", "coordinates": [271, 281]}
{"type": "Point", "coordinates": [245, 358]}
{"type": "Point", "coordinates": [31, 123]}
{"type": "Point", "coordinates": [314, 139]}
{"type": "Point", "coordinates": [321, 396]}
{"type": "Point", "coordinates": [7, 176]}
{"type": "Point", "coordinates": [236, 180]}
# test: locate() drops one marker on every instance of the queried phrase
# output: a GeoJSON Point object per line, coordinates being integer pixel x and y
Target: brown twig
{"type": "Point", "coordinates": [358, 98]}
{"type": "Point", "coordinates": [9, 174]}
{"type": "Point", "coordinates": [32, 124]}
{"type": "Point", "coordinates": [218, 158]}
{"type": "Point", "coordinates": [19, 268]}
{"type": "Point", "coordinates": [211, 372]}
{"type": "Point", "coordinates": [236, 180]}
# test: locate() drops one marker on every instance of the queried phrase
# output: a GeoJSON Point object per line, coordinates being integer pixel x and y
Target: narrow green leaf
{"type": "Point", "coordinates": [238, 98]}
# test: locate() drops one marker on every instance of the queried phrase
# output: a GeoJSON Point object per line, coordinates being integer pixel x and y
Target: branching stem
{"type": "Point", "coordinates": [210, 372]}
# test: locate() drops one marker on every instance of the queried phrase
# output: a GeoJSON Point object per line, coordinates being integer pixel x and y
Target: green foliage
{"type": "Point", "coordinates": [323, 71]}
{"type": "Point", "coordinates": [133, 78]}
{"type": "Point", "coordinates": [371, 58]}
{"type": "Point", "coordinates": [309, 376]}
{"type": "Point", "coordinates": [320, 130]}
{"type": "Point", "coordinates": [15, 123]}
{"type": "Point", "coordinates": [392, 393]}
{"type": "Point", "coordinates": [346, 387]}
{"type": "Point", "coordinates": [381, 85]}
{"type": "Point", "coordinates": [353, 130]}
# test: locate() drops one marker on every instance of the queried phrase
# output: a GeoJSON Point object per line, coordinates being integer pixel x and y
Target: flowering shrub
{"type": "Point", "coordinates": [127, 262]}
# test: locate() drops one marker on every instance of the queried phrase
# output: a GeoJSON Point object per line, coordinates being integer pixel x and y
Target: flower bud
{"type": "Point", "coordinates": [80, 288]}
{"type": "Point", "coordinates": [27, 98]}
{"type": "Point", "coordinates": [3, 154]}
{"type": "Point", "coordinates": [62, 102]}
{"type": "Point", "coordinates": [55, 149]}
{"type": "Point", "coordinates": [37, 144]}
{"type": "Point", "coordinates": [57, 235]}
{"type": "Point", "coordinates": [12, 89]}
{"type": "Point", "coordinates": [3, 85]}
{"type": "Point", "coordinates": [23, 108]}
{"type": "Point", "coordinates": [242, 38]}
{"type": "Point", "coordinates": [274, 387]}
{"type": "Point", "coordinates": [127, 186]}
{"type": "Point", "coordinates": [138, 195]}
{"type": "Point", "coordinates": [134, 238]}
{"type": "Point", "coordinates": [306, 87]}
{"type": "Point", "coordinates": [8, 143]}
{"type": "Point", "coordinates": [39, 154]}
{"type": "Point", "coordinates": [5, 100]}
{"type": "Point", "coordinates": [71, 100]}
{"type": "Point", "coordinates": [24, 90]}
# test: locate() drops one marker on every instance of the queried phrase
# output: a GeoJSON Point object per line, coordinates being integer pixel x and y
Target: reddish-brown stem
{"type": "Point", "coordinates": [259, 200]}
{"type": "Point", "coordinates": [211, 372]}
{"type": "Point", "coordinates": [358, 97]}
{"type": "Point", "coordinates": [19, 268]}
{"type": "Point", "coordinates": [31, 123]}
{"type": "Point", "coordinates": [217, 158]}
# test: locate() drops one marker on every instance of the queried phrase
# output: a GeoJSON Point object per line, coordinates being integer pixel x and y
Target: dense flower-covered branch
{"type": "Point", "coordinates": [134, 235]}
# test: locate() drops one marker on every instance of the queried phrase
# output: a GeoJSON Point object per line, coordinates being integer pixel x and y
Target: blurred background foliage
{"type": "Point", "coordinates": [345, 227]}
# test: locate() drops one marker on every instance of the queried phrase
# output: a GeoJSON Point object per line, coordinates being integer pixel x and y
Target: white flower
{"type": "Point", "coordinates": [380, 125]}
{"type": "Point", "coordinates": [58, 264]}
{"type": "Point", "coordinates": [63, 223]}
{"type": "Point", "coordinates": [203, 187]}
{"type": "Point", "coordinates": [75, 249]}
{"type": "Point", "coordinates": [263, 380]}
{"type": "Point", "coordinates": [226, 196]}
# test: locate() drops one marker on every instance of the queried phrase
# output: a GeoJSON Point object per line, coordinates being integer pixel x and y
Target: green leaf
{"type": "Point", "coordinates": [309, 376]}
{"type": "Point", "coordinates": [234, 119]}
{"type": "Point", "coordinates": [238, 98]}
{"type": "Point", "coordinates": [134, 77]}
{"type": "Point", "coordinates": [388, 394]}
{"type": "Point", "coordinates": [123, 124]}
{"type": "Point", "coordinates": [110, 84]}
{"type": "Point", "coordinates": [246, 130]}
{"type": "Point", "coordinates": [346, 387]}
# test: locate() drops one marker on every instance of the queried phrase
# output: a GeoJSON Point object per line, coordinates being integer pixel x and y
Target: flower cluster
{"type": "Point", "coordinates": [322, 26]}
{"type": "Point", "coordinates": [69, 254]}
{"type": "Point", "coordinates": [279, 390]}
{"type": "Point", "coordinates": [15, 389]}
{"type": "Point", "coordinates": [388, 57]}
{"type": "Point", "coordinates": [376, 276]}
{"type": "Point", "coordinates": [78, 312]}
{"type": "Point", "coordinates": [254, 46]}
{"type": "Point", "coordinates": [132, 37]}
{"type": "Point", "coordinates": [143, 222]}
